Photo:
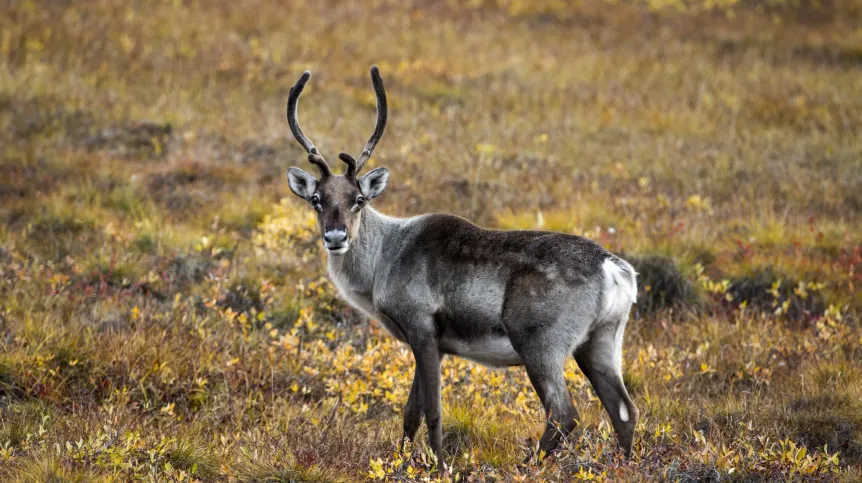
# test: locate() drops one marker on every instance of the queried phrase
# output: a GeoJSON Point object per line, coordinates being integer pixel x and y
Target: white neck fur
{"type": "Point", "coordinates": [355, 269]}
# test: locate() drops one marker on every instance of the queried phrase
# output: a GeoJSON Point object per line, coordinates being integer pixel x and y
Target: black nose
{"type": "Point", "coordinates": [335, 237]}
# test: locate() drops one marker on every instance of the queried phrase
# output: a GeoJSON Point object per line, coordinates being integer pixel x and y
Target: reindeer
{"type": "Point", "coordinates": [446, 286]}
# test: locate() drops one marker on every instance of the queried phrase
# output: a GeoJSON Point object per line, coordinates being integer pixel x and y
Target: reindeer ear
{"type": "Point", "coordinates": [374, 182]}
{"type": "Point", "coordinates": [301, 183]}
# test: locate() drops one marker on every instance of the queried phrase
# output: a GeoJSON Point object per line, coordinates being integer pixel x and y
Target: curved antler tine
{"type": "Point", "coordinates": [350, 162]}
{"type": "Point", "coordinates": [321, 164]}
{"type": "Point", "coordinates": [382, 113]}
{"type": "Point", "coordinates": [292, 102]}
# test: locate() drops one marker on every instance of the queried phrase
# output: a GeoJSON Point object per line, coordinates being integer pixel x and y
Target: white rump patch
{"type": "Point", "coordinates": [624, 413]}
{"type": "Point", "coordinates": [620, 289]}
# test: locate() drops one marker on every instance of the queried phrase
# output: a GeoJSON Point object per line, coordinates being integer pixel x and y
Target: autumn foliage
{"type": "Point", "coordinates": [164, 311]}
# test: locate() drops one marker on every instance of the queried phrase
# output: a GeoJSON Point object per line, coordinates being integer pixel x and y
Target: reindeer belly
{"type": "Point", "coordinates": [470, 324]}
{"type": "Point", "coordinates": [491, 349]}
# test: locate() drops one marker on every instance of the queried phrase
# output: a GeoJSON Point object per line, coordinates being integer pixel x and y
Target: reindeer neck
{"type": "Point", "coordinates": [354, 271]}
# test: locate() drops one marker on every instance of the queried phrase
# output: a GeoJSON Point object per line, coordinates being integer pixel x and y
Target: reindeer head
{"type": "Point", "coordinates": [338, 199]}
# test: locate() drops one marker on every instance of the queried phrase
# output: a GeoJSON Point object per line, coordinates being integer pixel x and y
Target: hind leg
{"type": "Point", "coordinates": [600, 358]}
{"type": "Point", "coordinates": [550, 385]}
{"type": "Point", "coordinates": [413, 411]}
{"type": "Point", "coordinates": [545, 320]}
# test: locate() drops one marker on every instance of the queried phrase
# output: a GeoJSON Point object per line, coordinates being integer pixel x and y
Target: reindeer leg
{"type": "Point", "coordinates": [412, 411]}
{"type": "Point", "coordinates": [428, 369]}
{"type": "Point", "coordinates": [600, 358]}
{"type": "Point", "coordinates": [562, 417]}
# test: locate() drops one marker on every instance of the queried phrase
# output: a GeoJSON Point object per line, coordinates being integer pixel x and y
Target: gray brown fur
{"type": "Point", "coordinates": [502, 298]}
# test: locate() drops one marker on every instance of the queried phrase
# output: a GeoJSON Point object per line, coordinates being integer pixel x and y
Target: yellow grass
{"type": "Point", "coordinates": [164, 314]}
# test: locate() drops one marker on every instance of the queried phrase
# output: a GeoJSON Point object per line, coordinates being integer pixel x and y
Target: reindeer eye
{"type": "Point", "coordinates": [315, 203]}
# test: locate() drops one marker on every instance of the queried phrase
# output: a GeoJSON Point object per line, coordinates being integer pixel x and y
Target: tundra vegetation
{"type": "Point", "coordinates": [163, 306]}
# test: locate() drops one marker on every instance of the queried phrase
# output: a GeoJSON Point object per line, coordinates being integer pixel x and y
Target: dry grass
{"type": "Point", "coordinates": [163, 311]}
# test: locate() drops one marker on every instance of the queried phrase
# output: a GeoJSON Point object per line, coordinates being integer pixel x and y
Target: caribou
{"type": "Point", "coordinates": [445, 287]}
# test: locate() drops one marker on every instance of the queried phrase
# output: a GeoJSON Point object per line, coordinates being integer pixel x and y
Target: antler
{"type": "Point", "coordinates": [292, 101]}
{"type": "Point", "coordinates": [353, 166]}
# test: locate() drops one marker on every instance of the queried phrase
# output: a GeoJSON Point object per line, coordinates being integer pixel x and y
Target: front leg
{"type": "Point", "coordinates": [427, 356]}
{"type": "Point", "coordinates": [413, 410]}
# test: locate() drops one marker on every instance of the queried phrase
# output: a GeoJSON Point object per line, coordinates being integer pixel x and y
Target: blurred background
{"type": "Point", "coordinates": [157, 272]}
